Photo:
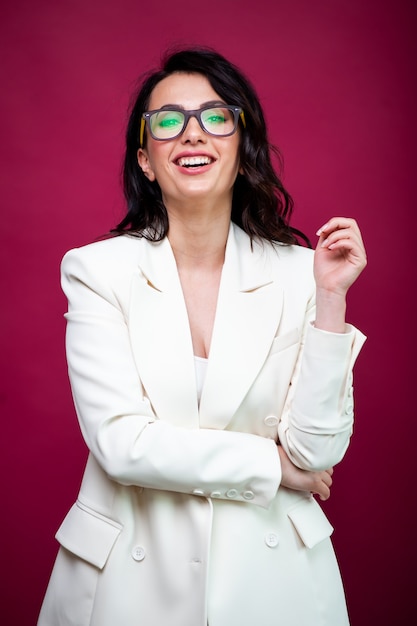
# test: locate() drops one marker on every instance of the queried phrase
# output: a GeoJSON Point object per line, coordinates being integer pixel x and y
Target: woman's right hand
{"type": "Point", "coordinates": [304, 480]}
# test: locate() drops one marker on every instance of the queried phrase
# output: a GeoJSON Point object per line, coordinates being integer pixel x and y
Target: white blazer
{"type": "Point", "coordinates": [180, 519]}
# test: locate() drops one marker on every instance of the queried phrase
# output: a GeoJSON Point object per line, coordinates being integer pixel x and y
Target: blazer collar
{"type": "Point", "coordinates": [247, 316]}
{"type": "Point", "coordinates": [247, 264]}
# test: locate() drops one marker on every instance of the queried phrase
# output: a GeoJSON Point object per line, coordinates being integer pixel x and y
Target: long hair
{"type": "Point", "coordinates": [261, 206]}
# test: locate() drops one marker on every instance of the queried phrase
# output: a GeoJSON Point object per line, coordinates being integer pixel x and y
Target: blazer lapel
{"type": "Point", "coordinates": [161, 338]}
{"type": "Point", "coordinates": [247, 317]}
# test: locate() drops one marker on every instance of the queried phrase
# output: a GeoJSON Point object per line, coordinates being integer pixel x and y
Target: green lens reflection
{"type": "Point", "coordinates": [218, 121]}
{"type": "Point", "coordinates": [166, 123]}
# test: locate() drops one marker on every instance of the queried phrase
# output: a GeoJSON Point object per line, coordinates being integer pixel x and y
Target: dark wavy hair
{"type": "Point", "coordinates": [261, 206]}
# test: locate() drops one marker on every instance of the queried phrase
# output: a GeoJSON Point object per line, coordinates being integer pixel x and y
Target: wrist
{"type": "Point", "coordinates": [330, 311]}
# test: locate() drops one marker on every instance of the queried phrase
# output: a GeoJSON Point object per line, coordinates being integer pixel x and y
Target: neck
{"type": "Point", "coordinates": [199, 240]}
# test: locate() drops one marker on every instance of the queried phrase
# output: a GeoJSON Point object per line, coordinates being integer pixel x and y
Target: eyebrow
{"type": "Point", "coordinates": [210, 103]}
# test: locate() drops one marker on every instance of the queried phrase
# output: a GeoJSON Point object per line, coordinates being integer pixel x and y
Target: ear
{"type": "Point", "coordinates": [144, 164]}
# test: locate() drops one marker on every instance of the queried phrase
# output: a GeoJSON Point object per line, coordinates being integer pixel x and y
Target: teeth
{"type": "Point", "coordinates": [197, 160]}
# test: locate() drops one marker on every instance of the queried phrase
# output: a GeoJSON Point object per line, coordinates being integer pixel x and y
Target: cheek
{"type": "Point", "coordinates": [159, 154]}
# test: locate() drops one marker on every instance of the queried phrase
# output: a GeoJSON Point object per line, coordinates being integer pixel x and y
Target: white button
{"type": "Point", "coordinates": [232, 493]}
{"type": "Point", "coordinates": [248, 495]}
{"type": "Point", "coordinates": [271, 540]}
{"type": "Point", "coordinates": [196, 561]}
{"type": "Point", "coordinates": [198, 492]}
{"type": "Point", "coordinates": [215, 494]}
{"type": "Point", "coordinates": [271, 420]}
{"type": "Point", "coordinates": [138, 553]}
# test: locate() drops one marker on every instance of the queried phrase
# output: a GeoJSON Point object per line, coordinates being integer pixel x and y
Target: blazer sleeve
{"type": "Point", "coordinates": [317, 420]}
{"type": "Point", "coordinates": [118, 424]}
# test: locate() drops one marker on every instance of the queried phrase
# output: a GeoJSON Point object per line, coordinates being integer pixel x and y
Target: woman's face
{"type": "Point", "coordinates": [166, 161]}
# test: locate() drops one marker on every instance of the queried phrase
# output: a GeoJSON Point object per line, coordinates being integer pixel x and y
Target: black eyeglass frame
{"type": "Point", "coordinates": [146, 117]}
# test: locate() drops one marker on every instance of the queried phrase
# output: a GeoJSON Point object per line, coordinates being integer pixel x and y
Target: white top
{"type": "Point", "coordinates": [200, 373]}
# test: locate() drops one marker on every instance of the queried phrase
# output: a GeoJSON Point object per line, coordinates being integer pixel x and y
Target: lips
{"type": "Point", "coordinates": [194, 160]}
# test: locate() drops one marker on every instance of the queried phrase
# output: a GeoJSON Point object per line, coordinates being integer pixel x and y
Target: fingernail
{"type": "Point", "coordinates": [320, 230]}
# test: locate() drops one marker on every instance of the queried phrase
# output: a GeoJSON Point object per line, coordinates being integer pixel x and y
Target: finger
{"type": "Point", "coordinates": [340, 228]}
{"type": "Point", "coordinates": [329, 238]}
{"type": "Point", "coordinates": [327, 479]}
{"type": "Point", "coordinates": [348, 246]}
{"type": "Point", "coordinates": [325, 496]}
{"type": "Point", "coordinates": [347, 232]}
{"type": "Point", "coordinates": [322, 483]}
{"type": "Point", "coordinates": [324, 492]}
{"type": "Point", "coordinates": [343, 241]}
{"type": "Point", "coordinates": [336, 223]}
{"type": "Point", "coordinates": [338, 242]}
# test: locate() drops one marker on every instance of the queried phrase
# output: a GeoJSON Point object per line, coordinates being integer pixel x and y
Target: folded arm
{"type": "Point", "coordinates": [118, 423]}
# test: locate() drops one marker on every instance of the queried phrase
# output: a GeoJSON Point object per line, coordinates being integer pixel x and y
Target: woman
{"type": "Point", "coordinates": [211, 368]}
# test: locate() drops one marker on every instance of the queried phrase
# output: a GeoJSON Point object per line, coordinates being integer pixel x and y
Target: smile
{"type": "Point", "coordinates": [194, 161]}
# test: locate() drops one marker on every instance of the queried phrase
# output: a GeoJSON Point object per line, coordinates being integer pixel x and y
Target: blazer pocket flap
{"type": "Point", "coordinates": [310, 522]}
{"type": "Point", "coordinates": [88, 534]}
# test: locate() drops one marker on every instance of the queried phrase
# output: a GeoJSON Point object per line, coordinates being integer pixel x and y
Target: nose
{"type": "Point", "coordinates": [193, 132]}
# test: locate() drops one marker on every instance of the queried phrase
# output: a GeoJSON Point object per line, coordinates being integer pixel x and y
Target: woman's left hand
{"type": "Point", "coordinates": [339, 256]}
{"type": "Point", "coordinates": [295, 478]}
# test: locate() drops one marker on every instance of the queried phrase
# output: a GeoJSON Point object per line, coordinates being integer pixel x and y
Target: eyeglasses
{"type": "Point", "coordinates": [166, 124]}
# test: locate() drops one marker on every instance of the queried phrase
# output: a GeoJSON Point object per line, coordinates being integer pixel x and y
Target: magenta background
{"type": "Point", "coordinates": [338, 82]}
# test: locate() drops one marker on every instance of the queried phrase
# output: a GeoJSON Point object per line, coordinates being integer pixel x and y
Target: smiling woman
{"type": "Point", "coordinates": [193, 147]}
{"type": "Point", "coordinates": [211, 368]}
